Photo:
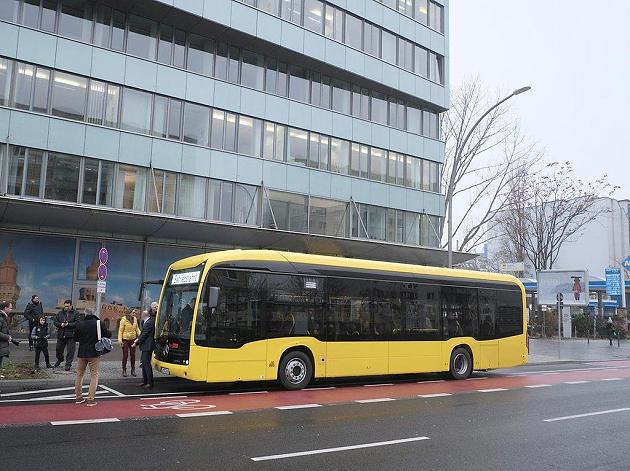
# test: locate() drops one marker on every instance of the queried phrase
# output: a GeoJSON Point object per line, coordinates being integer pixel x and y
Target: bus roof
{"type": "Point", "coordinates": [326, 260]}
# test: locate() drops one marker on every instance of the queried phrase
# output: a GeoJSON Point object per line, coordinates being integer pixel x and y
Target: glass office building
{"type": "Point", "coordinates": [164, 128]}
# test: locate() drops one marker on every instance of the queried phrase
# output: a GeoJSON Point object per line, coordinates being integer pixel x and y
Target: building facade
{"type": "Point", "coordinates": [163, 128]}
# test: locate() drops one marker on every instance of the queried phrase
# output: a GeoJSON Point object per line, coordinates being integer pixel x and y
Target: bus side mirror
{"type": "Point", "coordinates": [213, 297]}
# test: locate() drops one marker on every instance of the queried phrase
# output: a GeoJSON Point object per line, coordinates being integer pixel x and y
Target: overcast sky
{"type": "Point", "coordinates": [576, 56]}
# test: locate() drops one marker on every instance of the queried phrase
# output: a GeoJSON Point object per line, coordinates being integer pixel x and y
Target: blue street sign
{"type": "Point", "coordinates": [613, 281]}
{"type": "Point", "coordinates": [626, 263]}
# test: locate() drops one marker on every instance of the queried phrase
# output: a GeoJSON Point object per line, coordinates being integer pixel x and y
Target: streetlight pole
{"type": "Point", "coordinates": [458, 152]}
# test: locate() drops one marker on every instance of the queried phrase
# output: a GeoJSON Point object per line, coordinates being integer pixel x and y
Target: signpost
{"type": "Point", "coordinates": [626, 263]}
{"type": "Point", "coordinates": [613, 281]}
{"type": "Point", "coordinates": [512, 267]}
{"type": "Point", "coordinates": [101, 284]}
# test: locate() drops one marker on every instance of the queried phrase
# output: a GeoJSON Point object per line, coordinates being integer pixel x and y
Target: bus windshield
{"type": "Point", "coordinates": [175, 314]}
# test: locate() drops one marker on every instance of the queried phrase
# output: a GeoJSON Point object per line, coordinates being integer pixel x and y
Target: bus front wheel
{"type": "Point", "coordinates": [296, 370]}
{"type": "Point", "coordinates": [461, 363]}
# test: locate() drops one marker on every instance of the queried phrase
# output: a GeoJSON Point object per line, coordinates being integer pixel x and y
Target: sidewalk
{"type": "Point", "coordinates": [540, 351]}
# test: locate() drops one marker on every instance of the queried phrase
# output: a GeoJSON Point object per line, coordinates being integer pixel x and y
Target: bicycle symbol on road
{"type": "Point", "coordinates": [178, 404]}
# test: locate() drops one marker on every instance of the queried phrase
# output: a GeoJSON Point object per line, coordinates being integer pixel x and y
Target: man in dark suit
{"type": "Point", "coordinates": [146, 342]}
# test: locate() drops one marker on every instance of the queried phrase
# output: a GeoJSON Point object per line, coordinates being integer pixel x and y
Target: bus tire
{"type": "Point", "coordinates": [461, 364]}
{"type": "Point", "coordinates": [296, 370]}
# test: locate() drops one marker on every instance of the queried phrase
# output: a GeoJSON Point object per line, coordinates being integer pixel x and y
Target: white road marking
{"type": "Point", "coordinates": [435, 395]}
{"type": "Point", "coordinates": [380, 399]}
{"type": "Point", "coordinates": [612, 379]}
{"type": "Point", "coordinates": [491, 390]}
{"type": "Point", "coordinates": [204, 414]}
{"type": "Point", "coordinates": [538, 386]}
{"type": "Point", "coordinates": [163, 397]}
{"type": "Point", "coordinates": [376, 385]}
{"type": "Point", "coordinates": [248, 392]}
{"type": "Point", "coordinates": [87, 421]}
{"type": "Point", "coordinates": [319, 389]}
{"type": "Point", "coordinates": [63, 397]}
{"type": "Point", "coordinates": [578, 416]}
{"type": "Point", "coordinates": [113, 391]}
{"type": "Point", "coordinates": [336, 449]}
{"type": "Point", "coordinates": [569, 369]}
{"type": "Point", "coordinates": [552, 373]}
{"type": "Point", "coordinates": [476, 379]}
{"type": "Point", "coordinates": [40, 391]}
{"type": "Point", "coordinates": [576, 382]}
{"type": "Point", "coordinates": [432, 381]}
{"type": "Point", "coordinates": [298, 406]}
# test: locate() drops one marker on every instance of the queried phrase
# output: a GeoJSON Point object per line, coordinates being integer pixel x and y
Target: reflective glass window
{"type": "Point", "coordinates": [42, 85]}
{"type": "Point", "coordinates": [118, 30]}
{"type": "Point", "coordinates": [270, 6]}
{"type": "Point", "coordinates": [6, 69]}
{"type": "Point", "coordinates": [327, 217]}
{"type": "Point", "coordinates": [412, 229]}
{"type": "Point", "coordinates": [218, 128]}
{"type": "Point", "coordinates": [339, 155]}
{"type": "Point", "coordinates": [269, 136]}
{"type": "Point", "coordinates": [414, 120]}
{"type": "Point", "coordinates": [69, 96]}
{"type": "Point", "coordinates": [221, 62]}
{"type": "Point", "coordinates": [405, 7]}
{"type": "Point", "coordinates": [33, 173]}
{"type": "Point", "coordinates": [334, 23]}
{"type": "Point", "coordinates": [435, 17]}
{"type": "Point", "coordinates": [435, 67]}
{"type": "Point", "coordinates": [24, 76]}
{"type": "Point", "coordinates": [271, 75]}
{"type": "Point", "coordinates": [30, 13]}
{"type": "Point", "coordinates": [229, 141]}
{"type": "Point", "coordinates": [9, 10]}
{"type": "Point", "coordinates": [49, 15]}
{"type": "Point", "coordinates": [249, 136]}
{"type": "Point", "coordinates": [291, 10]}
{"type": "Point", "coordinates": [96, 103]}
{"type": "Point", "coordinates": [421, 11]}
{"type": "Point", "coordinates": [297, 146]}
{"type": "Point", "coordinates": [421, 61]}
{"type": "Point", "coordinates": [415, 172]}
{"type": "Point", "coordinates": [90, 181]}
{"type": "Point", "coordinates": [405, 54]}
{"type": "Point", "coordinates": [379, 108]}
{"type": "Point", "coordinates": [15, 177]}
{"type": "Point", "coordinates": [289, 211]}
{"type": "Point", "coordinates": [160, 116]}
{"type": "Point", "coordinates": [142, 37]}
{"type": "Point", "coordinates": [245, 204]}
{"type": "Point", "coordinates": [111, 105]}
{"type": "Point", "coordinates": [388, 47]}
{"type": "Point", "coordinates": [103, 26]}
{"type": "Point", "coordinates": [281, 133]}
{"type": "Point", "coordinates": [227, 191]}
{"type": "Point", "coordinates": [371, 39]}
{"type": "Point", "coordinates": [341, 97]}
{"type": "Point", "coordinates": [354, 27]}
{"type": "Point", "coordinates": [62, 177]}
{"type": "Point", "coordinates": [165, 44]}
{"type": "Point", "coordinates": [196, 124]}
{"type": "Point", "coordinates": [136, 111]}
{"type": "Point", "coordinates": [252, 70]}
{"type": "Point", "coordinates": [106, 184]}
{"type": "Point", "coordinates": [314, 15]}
{"type": "Point", "coordinates": [179, 52]}
{"type": "Point", "coordinates": [76, 20]}
{"type": "Point", "coordinates": [378, 164]}
{"type": "Point", "coordinates": [298, 84]}
{"type": "Point", "coordinates": [174, 119]}
{"type": "Point", "coordinates": [191, 198]}
{"type": "Point", "coordinates": [359, 160]}
{"type": "Point", "coordinates": [130, 187]}
{"type": "Point", "coordinates": [200, 55]}
{"type": "Point", "coordinates": [233, 64]}
{"type": "Point", "coordinates": [313, 150]}
{"type": "Point", "coordinates": [214, 200]}
{"type": "Point", "coordinates": [376, 222]}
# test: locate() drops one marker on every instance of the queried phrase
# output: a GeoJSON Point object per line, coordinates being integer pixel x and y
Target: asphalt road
{"type": "Point", "coordinates": [534, 420]}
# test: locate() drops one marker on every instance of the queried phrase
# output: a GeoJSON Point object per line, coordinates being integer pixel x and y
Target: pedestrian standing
{"type": "Point", "coordinates": [32, 312]}
{"type": "Point", "coordinates": [66, 323]}
{"type": "Point", "coordinates": [146, 342]}
{"type": "Point", "coordinates": [5, 336]}
{"type": "Point", "coordinates": [610, 330]}
{"type": "Point", "coordinates": [39, 335]}
{"type": "Point", "coordinates": [86, 333]}
{"type": "Point", "coordinates": [128, 331]}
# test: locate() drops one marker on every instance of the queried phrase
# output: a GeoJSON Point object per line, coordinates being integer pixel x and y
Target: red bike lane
{"type": "Point", "coordinates": [123, 408]}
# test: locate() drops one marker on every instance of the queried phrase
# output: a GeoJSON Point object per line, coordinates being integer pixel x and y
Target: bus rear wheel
{"type": "Point", "coordinates": [461, 363]}
{"type": "Point", "coordinates": [296, 370]}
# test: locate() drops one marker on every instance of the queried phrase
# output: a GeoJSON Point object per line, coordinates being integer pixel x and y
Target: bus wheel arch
{"type": "Point", "coordinates": [461, 362]}
{"type": "Point", "coordinates": [296, 368]}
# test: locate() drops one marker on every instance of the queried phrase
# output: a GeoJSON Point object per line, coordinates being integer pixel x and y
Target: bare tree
{"type": "Point", "coordinates": [485, 164]}
{"type": "Point", "coordinates": [546, 209]}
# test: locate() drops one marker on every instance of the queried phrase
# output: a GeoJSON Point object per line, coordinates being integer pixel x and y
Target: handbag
{"type": "Point", "coordinates": [104, 345]}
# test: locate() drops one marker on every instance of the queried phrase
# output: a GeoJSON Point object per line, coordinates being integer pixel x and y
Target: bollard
{"type": "Point", "coordinates": [618, 346]}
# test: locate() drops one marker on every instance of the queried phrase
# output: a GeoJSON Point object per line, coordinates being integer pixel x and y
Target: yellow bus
{"type": "Point", "coordinates": [248, 315]}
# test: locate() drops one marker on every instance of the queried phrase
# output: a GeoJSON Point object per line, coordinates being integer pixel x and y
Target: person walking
{"type": "Point", "coordinates": [5, 336]}
{"type": "Point", "coordinates": [610, 330]}
{"type": "Point", "coordinates": [66, 322]}
{"type": "Point", "coordinates": [32, 313]}
{"type": "Point", "coordinates": [147, 344]}
{"type": "Point", "coordinates": [128, 331]}
{"type": "Point", "coordinates": [86, 333]}
{"type": "Point", "coordinates": [39, 336]}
